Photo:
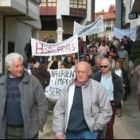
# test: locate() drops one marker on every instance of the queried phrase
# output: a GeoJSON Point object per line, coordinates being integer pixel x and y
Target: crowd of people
{"type": "Point", "coordinates": [108, 59]}
{"type": "Point", "coordinates": [86, 108]}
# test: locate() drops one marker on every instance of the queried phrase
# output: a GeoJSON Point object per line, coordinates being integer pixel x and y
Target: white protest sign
{"type": "Point", "coordinates": [93, 28]}
{"type": "Point", "coordinates": [119, 33]}
{"type": "Point", "coordinates": [60, 78]}
{"type": "Point", "coordinates": [68, 46]}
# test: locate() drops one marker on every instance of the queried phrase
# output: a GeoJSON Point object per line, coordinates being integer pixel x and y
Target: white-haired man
{"type": "Point", "coordinates": [23, 106]}
{"type": "Point", "coordinates": [83, 107]}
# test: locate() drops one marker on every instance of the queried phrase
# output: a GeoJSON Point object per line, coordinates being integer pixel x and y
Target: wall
{"type": "Point", "coordinates": [62, 8]}
{"type": "Point", "coordinates": [90, 11]}
{"type": "Point", "coordinates": [23, 36]}
{"type": "Point", "coordinates": [134, 22]}
{"type": "Point", "coordinates": [19, 33]}
{"type": "Point", "coordinates": [1, 37]}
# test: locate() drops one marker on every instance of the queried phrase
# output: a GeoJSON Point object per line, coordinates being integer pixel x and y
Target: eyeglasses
{"type": "Point", "coordinates": [103, 66]}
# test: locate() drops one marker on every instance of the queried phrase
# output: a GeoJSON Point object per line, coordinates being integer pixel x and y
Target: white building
{"type": "Point", "coordinates": [19, 21]}
{"type": "Point", "coordinates": [132, 6]}
{"type": "Point", "coordinates": [58, 16]}
{"type": "Point", "coordinates": [128, 9]}
{"type": "Point", "coordinates": [109, 21]}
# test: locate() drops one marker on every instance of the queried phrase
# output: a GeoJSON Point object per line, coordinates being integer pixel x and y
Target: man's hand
{"type": "Point", "coordinates": [60, 136]}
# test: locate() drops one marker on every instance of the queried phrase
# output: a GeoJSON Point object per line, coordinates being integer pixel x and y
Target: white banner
{"type": "Point", "coordinates": [119, 33]}
{"type": "Point", "coordinates": [68, 46]}
{"type": "Point", "coordinates": [94, 28]}
{"type": "Point", "coordinates": [60, 78]}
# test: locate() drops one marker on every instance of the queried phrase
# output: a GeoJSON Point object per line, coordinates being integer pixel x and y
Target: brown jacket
{"type": "Point", "coordinates": [40, 72]}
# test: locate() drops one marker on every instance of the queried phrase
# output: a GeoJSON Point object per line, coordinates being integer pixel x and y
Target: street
{"type": "Point", "coordinates": [126, 127]}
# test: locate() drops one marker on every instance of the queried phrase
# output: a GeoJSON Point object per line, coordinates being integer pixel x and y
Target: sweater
{"type": "Point", "coordinates": [13, 108]}
{"type": "Point", "coordinates": [77, 121]}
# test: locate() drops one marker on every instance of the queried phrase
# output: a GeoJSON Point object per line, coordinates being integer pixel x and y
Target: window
{"type": "Point", "coordinates": [108, 23]}
{"type": "Point", "coordinates": [48, 3]}
{"type": "Point", "coordinates": [81, 4]}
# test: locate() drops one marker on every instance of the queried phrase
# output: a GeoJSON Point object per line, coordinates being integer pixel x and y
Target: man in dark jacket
{"type": "Point", "coordinates": [23, 105]}
{"type": "Point", "coordinates": [114, 86]}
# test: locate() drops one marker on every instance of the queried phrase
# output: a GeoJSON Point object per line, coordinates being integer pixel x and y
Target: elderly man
{"type": "Point", "coordinates": [23, 106]}
{"type": "Point", "coordinates": [113, 84]}
{"type": "Point", "coordinates": [96, 68]}
{"type": "Point", "coordinates": [83, 107]}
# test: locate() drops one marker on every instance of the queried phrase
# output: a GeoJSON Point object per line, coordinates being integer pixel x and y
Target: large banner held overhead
{"type": "Point", "coordinates": [119, 33]}
{"type": "Point", "coordinates": [94, 28]}
{"type": "Point", "coordinates": [60, 78]}
{"type": "Point", "coordinates": [68, 46]}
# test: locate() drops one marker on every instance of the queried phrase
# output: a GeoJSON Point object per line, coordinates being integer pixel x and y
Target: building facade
{"type": "Point", "coordinates": [58, 16]}
{"type": "Point", "coordinates": [19, 21]}
{"type": "Point", "coordinates": [132, 22]}
{"type": "Point", "coordinates": [132, 19]}
{"type": "Point", "coordinates": [109, 21]}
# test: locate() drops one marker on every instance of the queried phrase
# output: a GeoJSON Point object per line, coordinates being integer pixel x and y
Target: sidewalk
{"type": "Point", "coordinates": [48, 133]}
{"type": "Point", "coordinates": [128, 126]}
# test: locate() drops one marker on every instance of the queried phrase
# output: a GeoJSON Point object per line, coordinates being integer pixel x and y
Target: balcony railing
{"type": "Point", "coordinates": [21, 9]}
{"type": "Point", "coordinates": [78, 12]}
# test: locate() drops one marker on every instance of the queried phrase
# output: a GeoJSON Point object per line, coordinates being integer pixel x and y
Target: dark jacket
{"type": "Point", "coordinates": [33, 106]}
{"type": "Point", "coordinates": [118, 87]}
{"type": "Point", "coordinates": [41, 74]}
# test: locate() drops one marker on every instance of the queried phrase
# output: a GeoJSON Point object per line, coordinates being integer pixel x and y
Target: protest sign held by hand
{"type": "Point", "coordinates": [60, 78]}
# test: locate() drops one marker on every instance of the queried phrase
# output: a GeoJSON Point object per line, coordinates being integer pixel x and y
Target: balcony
{"type": "Point", "coordinates": [21, 9]}
{"type": "Point", "coordinates": [78, 12]}
{"type": "Point", "coordinates": [135, 8]}
{"type": "Point", "coordinates": [47, 11]}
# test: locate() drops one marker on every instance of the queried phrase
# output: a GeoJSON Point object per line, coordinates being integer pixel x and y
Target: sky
{"type": "Point", "coordinates": [103, 4]}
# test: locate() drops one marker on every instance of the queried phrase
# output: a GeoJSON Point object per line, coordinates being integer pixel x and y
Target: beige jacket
{"type": "Point", "coordinates": [96, 107]}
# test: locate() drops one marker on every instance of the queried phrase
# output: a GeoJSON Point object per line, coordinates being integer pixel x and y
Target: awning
{"type": "Point", "coordinates": [136, 7]}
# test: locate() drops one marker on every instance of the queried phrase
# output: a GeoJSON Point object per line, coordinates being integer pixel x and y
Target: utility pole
{"type": "Point", "coordinates": [93, 11]}
{"type": "Point", "coordinates": [119, 13]}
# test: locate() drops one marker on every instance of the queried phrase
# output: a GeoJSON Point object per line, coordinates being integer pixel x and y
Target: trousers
{"type": "Point", "coordinates": [85, 135]}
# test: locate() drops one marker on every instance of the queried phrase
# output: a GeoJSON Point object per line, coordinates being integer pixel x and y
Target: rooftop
{"type": "Point", "coordinates": [110, 15]}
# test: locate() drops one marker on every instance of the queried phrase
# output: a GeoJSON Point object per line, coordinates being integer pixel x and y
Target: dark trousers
{"type": "Point", "coordinates": [109, 130]}
{"type": "Point", "coordinates": [14, 132]}
{"type": "Point", "coordinates": [85, 135]}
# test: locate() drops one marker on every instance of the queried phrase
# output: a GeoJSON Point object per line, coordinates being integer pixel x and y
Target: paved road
{"type": "Point", "coordinates": [126, 127]}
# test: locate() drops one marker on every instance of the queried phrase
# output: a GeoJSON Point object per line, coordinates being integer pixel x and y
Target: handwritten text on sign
{"type": "Point", "coordinates": [68, 46]}
{"type": "Point", "coordinates": [60, 78]}
{"type": "Point", "coordinates": [93, 28]}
